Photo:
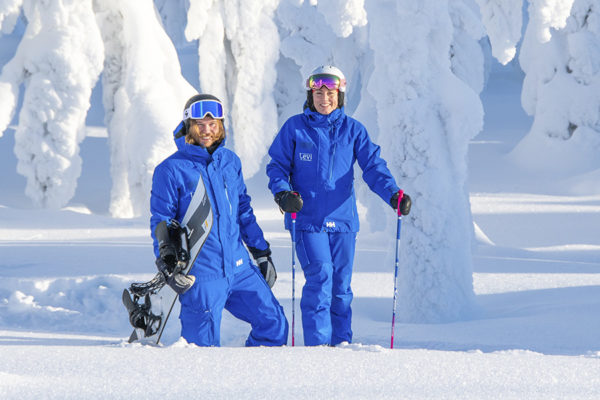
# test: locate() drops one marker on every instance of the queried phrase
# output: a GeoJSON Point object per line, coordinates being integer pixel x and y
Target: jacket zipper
{"type": "Point", "coordinates": [227, 196]}
{"type": "Point", "coordinates": [331, 161]}
{"type": "Point", "coordinates": [332, 156]}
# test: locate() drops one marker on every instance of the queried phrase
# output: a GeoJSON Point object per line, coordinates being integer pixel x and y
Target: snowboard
{"type": "Point", "coordinates": [149, 304]}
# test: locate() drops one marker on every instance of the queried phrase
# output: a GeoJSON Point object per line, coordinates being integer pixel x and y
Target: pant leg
{"type": "Point", "coordinates": [342, 245]}
{"type": "Point", "coordinates": [315, 258]}
{"type": "Point", "coordinates": [201, 312]}
{"type": "Point", "coordinates": [251, 300]}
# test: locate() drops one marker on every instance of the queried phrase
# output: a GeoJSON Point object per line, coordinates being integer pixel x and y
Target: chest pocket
{"type": "Point", "coordinates": [306, 161]}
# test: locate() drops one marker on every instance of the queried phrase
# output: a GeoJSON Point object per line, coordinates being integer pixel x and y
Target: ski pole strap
{"type": "Point", "coordinates": [400, 195]}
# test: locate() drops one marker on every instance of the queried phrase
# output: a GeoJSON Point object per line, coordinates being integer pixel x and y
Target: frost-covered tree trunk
{"type": "Point", "coordinates": [238, 49]}
{"type": "Point", "coordinates": [144, 94]}
{"type": "Point", "coordinates": [560, 56]}
{"type": "Point", "coordinates": [58, 61]}
{"type": "Point", "coordinates": [426, 116]}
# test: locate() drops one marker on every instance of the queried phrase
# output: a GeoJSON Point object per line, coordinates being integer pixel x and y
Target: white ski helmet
{"type": "Point", "coordinates": [328, 76]}
{"type": "Point", "coordinates": [327, 70]}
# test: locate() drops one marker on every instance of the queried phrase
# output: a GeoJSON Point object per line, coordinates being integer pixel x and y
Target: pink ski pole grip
{"type": "Point", "coordinates": [400, 195]}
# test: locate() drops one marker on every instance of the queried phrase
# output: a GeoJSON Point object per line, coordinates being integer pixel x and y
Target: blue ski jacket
{"type": "Point", "coordinates": [314, 154]}
{"type": "Point", "coordinates": [173, 185]}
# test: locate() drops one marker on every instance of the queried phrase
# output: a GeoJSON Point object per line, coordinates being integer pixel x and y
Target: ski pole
{"type": "Point", "coordinates": [293, 274]}
{"type": "Point", "coordinates": [400, 193]}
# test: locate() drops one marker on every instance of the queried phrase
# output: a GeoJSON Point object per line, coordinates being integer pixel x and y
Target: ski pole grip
{"type": "Point", "coordinates": [400, 195]}
{"type": "Point", "coordinates": [293, 215]}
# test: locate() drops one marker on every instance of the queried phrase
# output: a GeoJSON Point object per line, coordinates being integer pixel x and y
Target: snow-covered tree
{"type": "Point", "coordinates": [426, 117]}
{"type": "Point", "coordinates": [144, 94]}
{"type": "Point", "coordinates": [58, 62]}
{"type": "Point", "coordinates": [561, 58]}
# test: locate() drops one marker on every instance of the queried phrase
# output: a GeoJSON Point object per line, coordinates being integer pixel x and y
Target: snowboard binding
{"type": "Point", "coordinates": [140, 314]}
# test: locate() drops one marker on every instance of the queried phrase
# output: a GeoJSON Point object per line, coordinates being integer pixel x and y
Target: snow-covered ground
{"type": "Point", "coordinates": [535, 335]}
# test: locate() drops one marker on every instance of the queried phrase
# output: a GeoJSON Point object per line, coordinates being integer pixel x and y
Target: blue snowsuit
{"type": "Point", "coordinates": [225, 276]}
{"type": "Point", "coordinates": [314, 154]}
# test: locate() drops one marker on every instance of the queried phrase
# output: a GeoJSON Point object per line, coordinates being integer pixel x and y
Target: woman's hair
{"type": "Point", "coordinates": [193, 128]}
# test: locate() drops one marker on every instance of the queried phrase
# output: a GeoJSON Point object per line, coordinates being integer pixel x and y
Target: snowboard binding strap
{"type": "Point", "coordinates": [140, 314]}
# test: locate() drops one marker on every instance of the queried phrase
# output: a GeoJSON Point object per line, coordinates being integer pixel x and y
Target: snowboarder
{"type": "Point", "coordinates": [225, 278]}
{"type": "Point", "coordinates": [311, 173]}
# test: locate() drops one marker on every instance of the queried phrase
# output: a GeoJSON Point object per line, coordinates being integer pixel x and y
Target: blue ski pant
{"type": "Point", "coordinates": [326, 259]}
{"type": "Point", "coordinates": [246, 296]}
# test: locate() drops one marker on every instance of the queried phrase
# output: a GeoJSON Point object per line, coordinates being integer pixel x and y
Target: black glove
{"type": "Point", "coordinates": [289, 202]}
{"type": "Point", "coordinates": [179, 282]}
{"type": "Point", "coordinates": [172, 258]}
{"type": "Point", "coordinates": [167, 247]}
{"type": "Point", "coordinates": [405, 203]}
{"type": "Point", "coordinates": [265, 264]}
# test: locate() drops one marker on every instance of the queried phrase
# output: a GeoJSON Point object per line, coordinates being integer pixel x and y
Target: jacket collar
{"type": "Point", "coordinates": [197, 153]}
{"type": "Point", "coordinates": [335, 118]}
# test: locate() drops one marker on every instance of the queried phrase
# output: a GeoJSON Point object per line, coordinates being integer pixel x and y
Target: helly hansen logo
{"type": "Point", "coordinates": [239, 262]}
{"type": "Point", "coordinates": [305, 156]}
{"type": "Point", "coordinates": [330, 224]}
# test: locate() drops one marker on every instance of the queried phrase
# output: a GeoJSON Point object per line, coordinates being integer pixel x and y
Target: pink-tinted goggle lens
{"type": "Point", "coordinates": [331, 82]}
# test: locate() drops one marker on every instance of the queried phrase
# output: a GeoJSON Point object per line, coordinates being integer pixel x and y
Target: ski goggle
{"type": "Point", "coordinates": [202, 108]}
{"type": "Point", "coordinates": [331, 82]}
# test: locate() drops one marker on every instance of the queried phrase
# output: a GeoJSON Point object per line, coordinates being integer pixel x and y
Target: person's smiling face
{"type": "Point", "coordinates": [205, 131]}
{"type": "Point", "coordinates": [325, 100]}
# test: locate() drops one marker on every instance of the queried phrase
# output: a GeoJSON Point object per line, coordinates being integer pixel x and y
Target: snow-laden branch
{"type": "Point", "coordinates": [9, 13]}
{"type": "Point", "coordinates": [343, 15]}
{"type": "Point", "coordinates": [503, 21]}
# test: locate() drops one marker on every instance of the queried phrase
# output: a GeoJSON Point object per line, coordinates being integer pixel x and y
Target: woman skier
{"type": "Point", "coordinates": [311, 173]}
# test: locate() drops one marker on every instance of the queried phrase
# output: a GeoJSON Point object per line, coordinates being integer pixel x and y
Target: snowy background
{"type": "Point", "coordinates": [488, 113]}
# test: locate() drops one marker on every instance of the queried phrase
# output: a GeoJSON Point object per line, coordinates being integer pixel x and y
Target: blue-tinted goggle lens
{"type": "Point", "coordinates": [202, 108]}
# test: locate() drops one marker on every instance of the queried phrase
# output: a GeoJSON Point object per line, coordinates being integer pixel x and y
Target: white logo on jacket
{"type": "Point", "coordinates": [330, 224]}
{"type": "Point", "coordinates": [239, 262]}
{"type": "Point", "coordinates": [305, 156]}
